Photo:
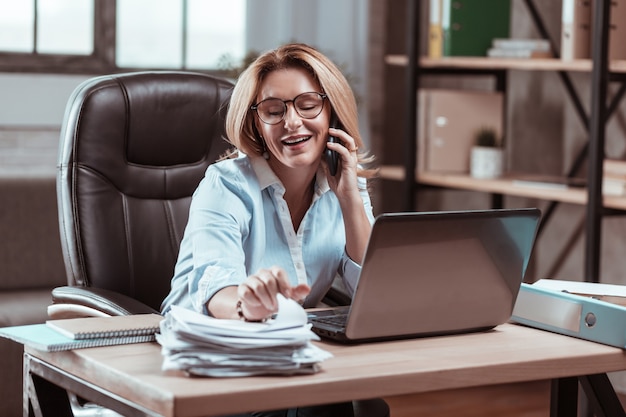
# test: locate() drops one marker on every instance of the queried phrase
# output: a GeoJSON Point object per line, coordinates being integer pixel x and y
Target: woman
{"type": "Point", "coordinates": [272, 220]}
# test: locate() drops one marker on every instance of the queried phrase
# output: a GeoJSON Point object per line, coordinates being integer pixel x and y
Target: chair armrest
{"type": "Point", "coordinates": [336, 297]}
{"type": "Point", "coordinates": [94, 301]}
{"type": "Point", "coordinates": [75, 301]}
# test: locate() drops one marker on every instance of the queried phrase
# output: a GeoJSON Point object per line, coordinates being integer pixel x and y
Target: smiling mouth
{"type": "Point", "coordinates": [292, 142]}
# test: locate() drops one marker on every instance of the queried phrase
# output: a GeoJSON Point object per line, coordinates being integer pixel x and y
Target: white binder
{"type": "Point", "coordinates": [575, 309]}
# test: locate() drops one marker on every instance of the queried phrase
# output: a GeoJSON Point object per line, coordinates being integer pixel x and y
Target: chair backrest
{"type": "Point", "coordinates": [133, 149]}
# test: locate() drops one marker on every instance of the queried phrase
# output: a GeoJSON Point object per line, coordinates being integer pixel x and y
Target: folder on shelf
{"type": "Point", "coordinates": [617, 31]}
{"type": "Point", "coordinates": [575, 29]}
{"type": "Point", "coordinates": [584, 310]}
{"type": "Point", "coordinates": [435, 33]}
{"type": "Point", "coordinates": [447, 123]}
{"type": "Point", "coordinates": [469, 26]}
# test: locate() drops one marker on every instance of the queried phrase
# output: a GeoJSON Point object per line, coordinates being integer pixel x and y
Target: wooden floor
{"type": "Point", "coordinates": [511, 400]}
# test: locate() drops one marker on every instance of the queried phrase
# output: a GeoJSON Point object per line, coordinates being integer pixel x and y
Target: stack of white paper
{"type": "Point", "coordinates": [205, 346]}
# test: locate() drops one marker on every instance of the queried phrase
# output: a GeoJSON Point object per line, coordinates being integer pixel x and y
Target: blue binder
{"type": "Point", "coordinates": [582, 316]}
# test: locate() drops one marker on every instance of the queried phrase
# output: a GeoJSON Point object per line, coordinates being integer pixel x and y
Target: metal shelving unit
{"type": "Point", "coordinates": [593, 153]}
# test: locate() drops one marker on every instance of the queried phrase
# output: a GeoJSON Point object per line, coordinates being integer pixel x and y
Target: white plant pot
{"type": "Point", "coordinates": [486, 162]}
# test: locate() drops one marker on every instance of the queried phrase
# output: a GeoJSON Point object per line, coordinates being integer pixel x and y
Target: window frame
{"type": "Point", "coordinates": [101, 61]}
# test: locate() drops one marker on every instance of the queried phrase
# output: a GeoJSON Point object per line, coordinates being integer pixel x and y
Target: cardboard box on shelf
{"type": "Point", "coordinates": [447, 123]}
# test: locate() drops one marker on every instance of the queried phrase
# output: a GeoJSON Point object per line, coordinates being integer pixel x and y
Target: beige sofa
{"type": "Point", "coordinates": [31, 264]}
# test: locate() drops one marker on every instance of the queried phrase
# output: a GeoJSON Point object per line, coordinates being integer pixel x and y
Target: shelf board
{"type": "Point", "coordinates": [504, 186]}
{"type": "Point", "coordinates": [484, 63]}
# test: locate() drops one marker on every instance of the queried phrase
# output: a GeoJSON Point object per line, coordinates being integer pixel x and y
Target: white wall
{"type": "Point", "coordinates": [31, 113]}
{"type": "Point", "coordinates": [35, 100]}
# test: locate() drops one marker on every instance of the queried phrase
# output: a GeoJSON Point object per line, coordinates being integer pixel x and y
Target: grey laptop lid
{"type": "Point", "coordinates": [429, 273]}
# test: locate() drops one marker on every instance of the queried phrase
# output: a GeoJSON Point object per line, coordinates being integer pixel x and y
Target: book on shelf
{"type": "Point", "coordinates": [447, 122]}
{"type": "Point", "coordinates": [469, 26]}
{"type": "Point", "coordinates": [539, 45]}
{"type": "Point", "coordinates": [102, 327]}
{"type": "Point", "coordinates": [519, 48]}
{"type": "Point", "coordinates": [517, 53]}
{"type": "Point", "coordinates": [576, 29]}
{"type": "Point", "coordinates": [435, 33]}
{"type": "Point", "coordinates": [45, 338]}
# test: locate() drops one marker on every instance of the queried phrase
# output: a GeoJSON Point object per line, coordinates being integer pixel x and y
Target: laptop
{"type": "Point", "coordinates": [435, 273]}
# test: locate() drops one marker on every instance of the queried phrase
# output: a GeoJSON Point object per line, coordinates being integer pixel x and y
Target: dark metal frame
{"type": "Point", "coordinates": [599, 395]}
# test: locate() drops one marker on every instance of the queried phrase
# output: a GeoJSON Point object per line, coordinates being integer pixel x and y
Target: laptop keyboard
{"type": "Point", "coordinates": [338, 320]}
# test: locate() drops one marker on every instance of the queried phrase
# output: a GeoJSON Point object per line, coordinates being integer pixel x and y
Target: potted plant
{"type": "Point", "coordinates": [487, 155]}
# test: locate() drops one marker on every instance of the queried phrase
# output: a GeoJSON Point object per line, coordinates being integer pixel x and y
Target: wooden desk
{"type": "Point", "coordinates": [129, 378]}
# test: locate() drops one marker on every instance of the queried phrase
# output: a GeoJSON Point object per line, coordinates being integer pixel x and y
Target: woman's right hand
{"type": "Point", "coordinates": [258, 293]}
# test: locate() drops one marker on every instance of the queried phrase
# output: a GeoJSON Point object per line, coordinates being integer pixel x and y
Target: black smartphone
{"type": "Point", "coordinates": [332, 157]}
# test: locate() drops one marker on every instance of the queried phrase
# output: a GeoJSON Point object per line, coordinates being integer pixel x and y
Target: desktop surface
{"type": "Point", "coordinates": [508, 353]}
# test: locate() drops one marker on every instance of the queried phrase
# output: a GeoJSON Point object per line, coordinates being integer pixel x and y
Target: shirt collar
{"type": "Point", "coordinates": [263, 172]}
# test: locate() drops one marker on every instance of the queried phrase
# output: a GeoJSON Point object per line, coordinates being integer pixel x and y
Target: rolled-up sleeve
{"type": "Point", "coordinates": [211, 255]}
{"type": "Point", "coordinates": [351, 273]}
{"type": "Point", "coordinates": [350, 269]}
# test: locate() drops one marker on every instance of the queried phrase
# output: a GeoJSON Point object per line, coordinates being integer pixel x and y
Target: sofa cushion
{"type": "Point", "coordinates": [30, 249]}
{"type": "Point", "coordinates": [24, 307]}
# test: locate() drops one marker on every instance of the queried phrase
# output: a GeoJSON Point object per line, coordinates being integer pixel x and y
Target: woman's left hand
{"type": "Point", "coordinates": [345, 181]}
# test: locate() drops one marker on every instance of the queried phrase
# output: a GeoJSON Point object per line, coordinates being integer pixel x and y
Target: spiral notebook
{"type": "Point", "coordinates": [103, 327]}
{"type": "Point", "coordinates": [45, 338]}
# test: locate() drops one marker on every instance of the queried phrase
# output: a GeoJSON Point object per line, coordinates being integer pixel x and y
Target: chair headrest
{"type": "Point", "coordinates": [131, 128]}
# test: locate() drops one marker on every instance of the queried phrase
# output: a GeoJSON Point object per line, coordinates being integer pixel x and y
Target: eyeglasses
{"type": "Point", "coordinates": [272, 110]}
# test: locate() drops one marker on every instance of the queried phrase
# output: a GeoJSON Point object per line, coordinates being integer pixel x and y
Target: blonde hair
{"type": "Point", "coordinates": [240, 119]}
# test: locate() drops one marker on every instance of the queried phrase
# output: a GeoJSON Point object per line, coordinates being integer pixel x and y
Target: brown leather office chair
{"type": "Point", "coordinates": [133, 149]}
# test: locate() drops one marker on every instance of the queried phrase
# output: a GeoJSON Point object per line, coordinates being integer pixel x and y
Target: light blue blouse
{"type": "Point", "coordinates": [239, 223]}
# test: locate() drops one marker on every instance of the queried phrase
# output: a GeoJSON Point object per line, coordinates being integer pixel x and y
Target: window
{"type": "Point", "coordinates": [16, 26]}
{"type": "Point", "coordinates": [98, 36]}
{"type": "Point", "coordinates": [179, 33]}
{"type": "Point", "coordinates": [64, 27]}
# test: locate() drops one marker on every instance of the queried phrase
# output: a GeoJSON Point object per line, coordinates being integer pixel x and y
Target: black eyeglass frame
{"type": "Point", "coordinates": [255, 107]}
